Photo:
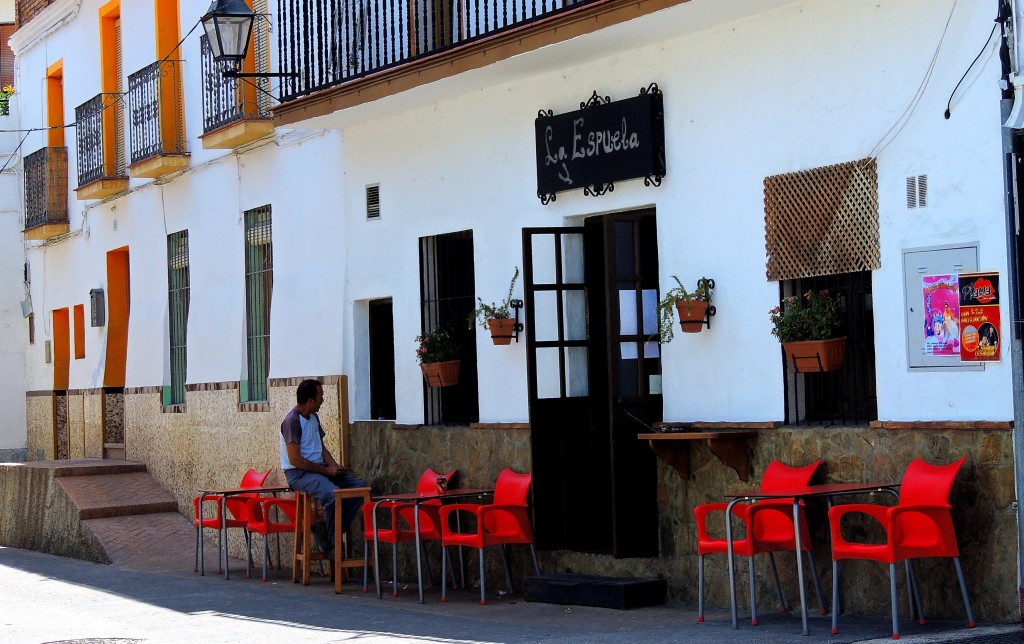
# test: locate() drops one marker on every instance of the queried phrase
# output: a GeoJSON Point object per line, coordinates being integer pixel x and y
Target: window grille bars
{"type": "Point", "coordinates": [157, 110]}
{"type": "Point", "coordinates": [46, 187]}
{"type": "Point", "coordinates": [89, 118]}
{"type": "Point", "coordinates": [178, 303]}
{"type": "Point", "coordinates": [259, 285]}
{"type": "Point", "coordinates": [329, 42]}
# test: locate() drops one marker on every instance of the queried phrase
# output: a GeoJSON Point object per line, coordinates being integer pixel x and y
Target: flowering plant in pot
{"type": "Point", "coordinates": [438, 355]}
{"type": "Point", "coordinates": [5, 99]}
{"type": "Point", "coordinates": [691, 306]}
{"type": "Point", "coordinates": [497, 316]}
{"type": "Point", "coordinates": [809, 329]}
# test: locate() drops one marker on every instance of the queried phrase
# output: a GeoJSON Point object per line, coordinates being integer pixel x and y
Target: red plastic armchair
{"type": "Point", "coordinates": [769, 529]}
{"type": "Point", "coordinates": [505, 521]}
{"type": "Point", "coordinates": [237, 511]}
{"type": "Point", "coordinates": [920, 525]}
{"type": "Point", "coordinates": [402, 526]}
{"type": "Point", "coordinates": [266, 519]}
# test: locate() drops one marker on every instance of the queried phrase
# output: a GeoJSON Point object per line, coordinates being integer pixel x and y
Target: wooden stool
{"type": "Point", "coordinates": [303, 552]}
{"type": "Point", "coordinates": [341, 562]}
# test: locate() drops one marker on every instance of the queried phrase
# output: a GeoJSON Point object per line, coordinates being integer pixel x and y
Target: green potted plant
{"type": "Point", "coordinates": [809, 329]}
{"type": "Point", "coordinates": [497, 316]}
{"type": "Point", "coordinates": [692, 307]}
{"type": "Point", "coordinates": [438, 355]}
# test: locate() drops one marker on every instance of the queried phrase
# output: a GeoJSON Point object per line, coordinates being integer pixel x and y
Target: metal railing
{"type": "Point", "coordinates": [329, 42]}
{"type": "Point", "coordinates": [226, 100]}
{"type": "Point", "coordinates": [89, 118]}
{"type": "Point", "coordinates": [46, 187]}
{"type": "Point", "coordinates": [157, 110]}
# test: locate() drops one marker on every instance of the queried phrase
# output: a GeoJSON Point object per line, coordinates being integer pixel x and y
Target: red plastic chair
{"type": "Point", "coordinates": [920, 525]}
{"type": "Point", "coordinates": [504, 521]}
{"type": "Point", "coordinates": [265, 520]}
{"type": "Point", "coordinates": [402, 526]}
{"type": "Point", "coordinates": [769, 528]}
{"type": "Point", "coordinates": [237, 511]}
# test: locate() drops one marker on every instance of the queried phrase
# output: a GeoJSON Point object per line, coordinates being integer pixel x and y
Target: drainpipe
{"type": "Point", "coordinates": [1012, 151]}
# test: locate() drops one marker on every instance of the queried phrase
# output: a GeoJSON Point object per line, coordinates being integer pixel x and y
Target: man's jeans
{"type": "Point", "coordinates": [322, 489]}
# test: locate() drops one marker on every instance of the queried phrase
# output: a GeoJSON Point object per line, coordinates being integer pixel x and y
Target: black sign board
{"type": "Point", "coordinates": [601, 143]}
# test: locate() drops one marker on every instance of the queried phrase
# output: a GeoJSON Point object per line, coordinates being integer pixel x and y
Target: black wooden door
{"type": "Point", "coordinates": [571, 487]}
{"type": "Point", "coordinates": [629, 390]}
{"type": "Point", "coordinates": [590, 384]}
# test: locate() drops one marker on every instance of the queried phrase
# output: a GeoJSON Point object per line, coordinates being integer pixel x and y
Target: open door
{"type": "Point", "coordinates": [594, 382]}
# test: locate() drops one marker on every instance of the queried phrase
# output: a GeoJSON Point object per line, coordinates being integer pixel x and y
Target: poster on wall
{"type": "Point", "coordinates": [941, 315]}
{"type": "Point", "coordinates": [980, 332]}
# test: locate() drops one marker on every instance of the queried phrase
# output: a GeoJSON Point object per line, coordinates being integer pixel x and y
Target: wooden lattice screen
{"type": "Point", "coordinates": [822, 221]}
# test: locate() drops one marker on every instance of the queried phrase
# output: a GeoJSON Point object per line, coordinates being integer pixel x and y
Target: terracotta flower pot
{"type": "Point", "coordinates": [692, 315]}
{"type": "Point", "coordinates": [441, 374]}
{"type": "Point", "coordinates": [502, 331]}
{"type": "Point", "coordinates": [815, 355]}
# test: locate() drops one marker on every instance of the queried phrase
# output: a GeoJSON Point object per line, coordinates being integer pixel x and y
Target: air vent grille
{"type": "Point", "coordinates": [373, 201]}
{"type": "Point", "coordinates": [917, 191]}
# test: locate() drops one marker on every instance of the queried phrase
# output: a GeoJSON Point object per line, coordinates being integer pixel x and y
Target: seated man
{"type": "Point", "coordinates": [308, 465]}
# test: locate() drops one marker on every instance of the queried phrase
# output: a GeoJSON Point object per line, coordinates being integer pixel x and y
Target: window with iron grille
{"type": "Point", "coordinates": [259, 283]}
{"type": "Point", "coordinates": [821, 233]}
{"type": "Point", "coordinates": [178, 299]}
{"type": "Point", "coordinates": [447, 295]}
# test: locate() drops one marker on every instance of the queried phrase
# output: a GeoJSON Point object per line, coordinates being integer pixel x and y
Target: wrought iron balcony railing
{"type": "Point", "coordinates": [226, 100]}
{"type": "Point", "coordinates": [329, 42]}
{"type": "Point", "coordinates": [94, 160]}
{"type": "Point", "coordinates": [157, 110]}
{"type": "Point", "coordinates": [46, 187]}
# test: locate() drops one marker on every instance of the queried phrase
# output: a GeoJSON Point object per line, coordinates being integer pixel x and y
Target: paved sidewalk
{"type": "Point", "coordinates": [57, 599]}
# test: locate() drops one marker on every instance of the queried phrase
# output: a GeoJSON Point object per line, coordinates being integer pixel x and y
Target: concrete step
{"type": "Point", "coordinates": [87, 467]}
{"type": "Point", "coordinates": [115, 495]}
{"type": "Point", "coordinates": [114, 451]}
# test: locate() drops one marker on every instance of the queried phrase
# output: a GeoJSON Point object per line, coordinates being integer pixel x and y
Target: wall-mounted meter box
{"type": "Point", "coordinates": [98, 307]}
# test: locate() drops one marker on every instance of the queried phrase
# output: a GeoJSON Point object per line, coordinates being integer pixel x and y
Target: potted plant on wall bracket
{"type": "Point", "coordinates": [693, 307]}
{"type": "Point", "coordinates": [438, 354]}
{"type": "Point", "coordinates": [498, 317]}
{"type": "Point", "coordinates": [809, 330]}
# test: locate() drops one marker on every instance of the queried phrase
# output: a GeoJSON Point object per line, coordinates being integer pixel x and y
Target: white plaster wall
{"type": "Point", "coordinates": [13, 327]}
{"type": "Point", "coordinates": [776, 92]}
{"type": "Point", "coordinates": [783, 91]}
{"type": "Point", "coordinates": [6, 10]}
{"type": "Point", "coordinates": [297, 174]}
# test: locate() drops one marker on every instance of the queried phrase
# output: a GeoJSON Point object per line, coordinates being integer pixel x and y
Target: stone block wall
{"type": "Point", "coordinates": [212, 442]}
{"type": "Point", "coordinates": [392, 459]}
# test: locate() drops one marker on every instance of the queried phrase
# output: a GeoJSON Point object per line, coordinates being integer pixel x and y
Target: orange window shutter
{"type": "Point", "coordinates": [61, 349]}
{"type": "Point", "coordinates": [79, 331]}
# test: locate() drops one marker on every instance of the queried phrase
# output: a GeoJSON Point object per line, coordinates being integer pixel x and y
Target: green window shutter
{"type": "Point", "coordinates": [259, 283]}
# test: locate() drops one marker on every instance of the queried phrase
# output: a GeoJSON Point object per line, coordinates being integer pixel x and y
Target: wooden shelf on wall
{"type": "Point", "coordinates": [729, 445]}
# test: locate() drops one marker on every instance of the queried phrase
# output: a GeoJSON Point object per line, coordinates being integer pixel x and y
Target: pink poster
{"type": "Point", "coordinates": [941, 315]}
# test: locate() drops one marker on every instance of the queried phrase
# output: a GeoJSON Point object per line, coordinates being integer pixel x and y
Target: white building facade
{"type": "Point", "coordinates": [206, 263]}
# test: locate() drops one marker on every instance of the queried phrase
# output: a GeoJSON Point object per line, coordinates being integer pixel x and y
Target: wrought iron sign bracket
{"type": "Point", "coordinates": [600, 144]}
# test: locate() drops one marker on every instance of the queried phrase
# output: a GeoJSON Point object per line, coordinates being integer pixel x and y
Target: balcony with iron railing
{"type": "Point", "coordinates": [46, 193]}
{"type": "Point", "coordinates": [100, 147]}
{"type": "Point", "coordinates": [157, 115]}
{"type": "Point", "coordinates": [345, 53]}
{"type": "Point", "coordinates": [236, 111]}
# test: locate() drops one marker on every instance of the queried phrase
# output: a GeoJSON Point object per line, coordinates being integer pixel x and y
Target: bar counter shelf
{"type": "Point", "coordinates": [728, 441]}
